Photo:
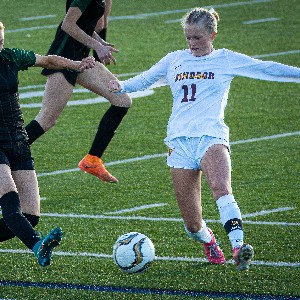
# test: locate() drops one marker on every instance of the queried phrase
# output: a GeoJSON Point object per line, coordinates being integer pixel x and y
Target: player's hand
{"type": "Point", "coordinates": [87, 63]}
{"type": "Point", "coordinates": [114, 86]}
{"type": "Point", "coordinates": [105, 54]}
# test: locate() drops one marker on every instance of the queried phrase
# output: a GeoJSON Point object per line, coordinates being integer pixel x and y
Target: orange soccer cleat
{"type": "Point", "coordinates": [95, 166]}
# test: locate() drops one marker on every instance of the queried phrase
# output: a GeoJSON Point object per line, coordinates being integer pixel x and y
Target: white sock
{"type": "Point", "coordinates": [202, 235]}
{"type": "Point", "coordinates": [231, 219]}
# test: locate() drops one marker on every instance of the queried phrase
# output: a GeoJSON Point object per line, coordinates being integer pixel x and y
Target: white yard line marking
{"type": "Point", "coordinates": [136, 208]}
{"type": "Point", "coordinates": [270, 137]}
{"type": "Point", "coordinates": [138, 218]}
{"type": "Point", "coordinates": [37, 18]}
{"type": "Point", "coordinates": [31, 28]}
{"type": "Point", "coordinates": [162, 258]}
{"type": "Point", "coordinates": [146, 157]}
{"type": "Point", "coordinates": [143, 16]}
{"type": "Point", "coordinates": [76, 90]}
{"type": "Point", "coordinates": [96, 100]}
{"type": "Point", "coordinates": [261, 21]}
{"type": "Point", "coordinates": [276, 54]}
{"type": "Point", "coordinates": [266, 212]}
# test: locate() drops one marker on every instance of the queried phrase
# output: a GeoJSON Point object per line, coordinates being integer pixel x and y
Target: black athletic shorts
{"type": "Point", "coordinates": [17, 158]}
{"type": "Point", "coordinates": [70, 75]}
{"type": "Point", "coordinates": [72, 50]}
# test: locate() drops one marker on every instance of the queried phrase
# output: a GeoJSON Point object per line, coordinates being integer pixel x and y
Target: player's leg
{"type": "Point", "coordinates": [8, 184]}
{"type": "Point", "coordinates": [96, 80]}
{"type": "Point", "coordinates": [27, 188]}
{"type": "Point", "coordinates": [19, 177]}
{"type": "Point", "coordinates": [13, 219]}
{"type": "Point", "coordinates": [57, 93]}
{"type": "Point", "coordinates": [188, 194]}
{"type": "Point", "coordinates": [216, 166]}
{"type": "Point", "coordinates": [11, 210]}
{"type": "Point", "coordinates": [27, 185]}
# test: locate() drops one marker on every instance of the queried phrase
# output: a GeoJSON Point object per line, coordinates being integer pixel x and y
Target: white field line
{"type": "Point", "coordinates": [136, 208]}
{"type": "Point", "coordinates": [260, 21]}
{"type": "Point", "coordinates": [245, 22]}
{"type": "Point", "coordinates": [143, 16]}
{"type": "Point", "coordinates": [146, 157]}
{"type": "Point", "coordinates": [162, 258]}
{"type": "Point", "coordinates": [276, 54]}
{"type": "Point", "coordinates": [31, 28]}
{"type": "Point", "coordinates": [266, 212]}
{"type": "Point", "coordinates": [37, 18]}
{"type": "Point", "coordinates": [88, 101]}
{"type": "Point", "coordinates": [139, 218]}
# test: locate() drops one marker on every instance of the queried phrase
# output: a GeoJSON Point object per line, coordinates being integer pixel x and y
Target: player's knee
{"type": "Point", "coordinates": [122, 100]}
{"type": "Point", "coordinates": [127, 101]}
{"type": "Point", "coordinates": [47, 117]}
{"type": "Point", "coordinates": [48, 122]}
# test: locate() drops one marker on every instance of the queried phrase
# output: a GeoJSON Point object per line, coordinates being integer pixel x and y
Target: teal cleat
{"type": "Point", "coordinates": [43, 249]}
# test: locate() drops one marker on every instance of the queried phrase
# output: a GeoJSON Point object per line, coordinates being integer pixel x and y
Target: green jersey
{"type": "Point", "coordinates": [11, 119]}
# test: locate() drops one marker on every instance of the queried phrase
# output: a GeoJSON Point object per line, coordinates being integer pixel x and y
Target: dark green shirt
{"type": "Point", "coordinates": [11, 119]}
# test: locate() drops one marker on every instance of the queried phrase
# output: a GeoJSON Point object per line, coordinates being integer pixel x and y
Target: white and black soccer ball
{"type": "Point", "coordinates": [133, 252]}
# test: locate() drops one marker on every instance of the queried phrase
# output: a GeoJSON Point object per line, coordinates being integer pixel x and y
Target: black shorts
{"type": "Point", "coordinates": [17, 158]}
{"type": "Point", "coordinates": [70, 75]}
{"type": "Point", "coordinates": [72, 50]}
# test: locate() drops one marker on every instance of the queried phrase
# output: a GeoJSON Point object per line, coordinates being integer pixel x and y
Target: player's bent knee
{"type": "Point", "coordinates": [122, 100]}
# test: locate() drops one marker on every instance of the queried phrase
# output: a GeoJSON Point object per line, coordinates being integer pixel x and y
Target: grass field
{"type": "Point", "coordinates": [264, 122]}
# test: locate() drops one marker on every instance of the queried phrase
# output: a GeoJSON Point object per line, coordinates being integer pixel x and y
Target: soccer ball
{"type": "Point", "coordinates": [133, 252]}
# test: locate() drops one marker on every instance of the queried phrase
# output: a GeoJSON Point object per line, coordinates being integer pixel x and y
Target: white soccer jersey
{"type": "Point", "coordinates": [200, 87]}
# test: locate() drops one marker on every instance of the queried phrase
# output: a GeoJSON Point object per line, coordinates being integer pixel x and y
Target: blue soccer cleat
{"type": "Point", "coordinates": [43, 249]}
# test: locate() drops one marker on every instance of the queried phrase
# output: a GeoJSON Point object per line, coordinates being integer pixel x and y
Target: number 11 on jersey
{"type": "Point", "coordinates": [189, 93]}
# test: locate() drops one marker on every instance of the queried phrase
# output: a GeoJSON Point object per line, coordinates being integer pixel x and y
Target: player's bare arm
{"type": "Point", "coordinates": [58, 62]}
{"type": "Point", "coordinates": [70, 26]}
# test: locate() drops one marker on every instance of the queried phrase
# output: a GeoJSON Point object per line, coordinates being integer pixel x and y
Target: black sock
{"type": "Point", "coordinates": [34, 131]}
{"type": "Point", "coordinates": [106, 130]}
{"type": "Point", "coordinates": [102, 34]}
{"type": "Point", "coordinates": [7, 234]}
{"type": "Point", "coordinates": [15, 221]}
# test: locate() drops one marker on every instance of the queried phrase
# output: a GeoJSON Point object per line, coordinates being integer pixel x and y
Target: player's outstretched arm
{"type": "Point", "coordinates": [58, 62]}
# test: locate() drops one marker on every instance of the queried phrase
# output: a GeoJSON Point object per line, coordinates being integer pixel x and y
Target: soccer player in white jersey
{"type": "Point", "coordinates": [197, 137]}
